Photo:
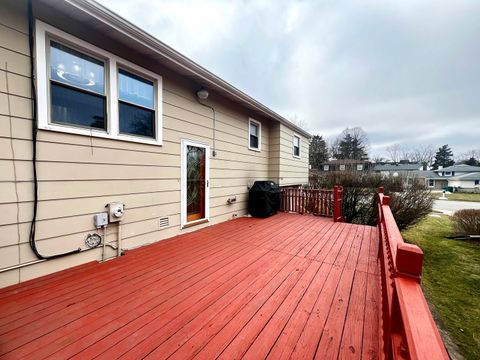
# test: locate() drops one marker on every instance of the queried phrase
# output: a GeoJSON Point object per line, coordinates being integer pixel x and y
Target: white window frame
{"type": "Point", "coordinates": [299, 146]}
{"type": "Point", "coordinates": [259, 124]}
{"type": "Point", "coordinates": [433, 183]}
{"type": "Point", "coordinates": [43, 34]}
{"type": "Point", "coordinates": [342, 167]}
{"type": "Point", "coordinates": [326, 167]}
{"type": "Point", "coordinates": [359, 167]}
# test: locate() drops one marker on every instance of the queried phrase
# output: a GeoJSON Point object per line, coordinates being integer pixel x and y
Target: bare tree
{"type": "Point", "coordinates": [378, 158]}
{"type": "Point", "coordinates": [302, 124]}
{"type": "Point", "coordinates": [394, 152]}
{"type": "Point", "coordinates": [470, 154]}
{"type": "Point", "coordinates": [405, 154]}
{"type": "Point", "coordinates": [424, 155]}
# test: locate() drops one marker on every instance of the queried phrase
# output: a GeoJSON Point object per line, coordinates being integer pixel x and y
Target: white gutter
{"type": "Point", "coordinates": [128, 29]}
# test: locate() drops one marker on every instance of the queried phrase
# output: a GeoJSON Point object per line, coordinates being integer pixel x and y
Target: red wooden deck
{"type": "Point", "coordinates": [289, 286]}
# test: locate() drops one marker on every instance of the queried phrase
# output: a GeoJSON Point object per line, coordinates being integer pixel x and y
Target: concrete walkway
{"type": "Point", "coordinates": [450, 206]}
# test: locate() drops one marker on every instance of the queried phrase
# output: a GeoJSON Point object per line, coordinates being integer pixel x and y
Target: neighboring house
{"type": "Point", "coordinates": [405, 170]}
{"type": "Point", "coordinates": [120, 119]}
{"type": "Point", "coordinates": [460, 177]}
{"type": "Point", "coordinates": [345, 165]}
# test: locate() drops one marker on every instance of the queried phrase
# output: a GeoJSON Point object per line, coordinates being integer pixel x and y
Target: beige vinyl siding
{"type": "Point", "coordinates": [78, 175]}
{"type": "Point", "coordinates": [287, 169]}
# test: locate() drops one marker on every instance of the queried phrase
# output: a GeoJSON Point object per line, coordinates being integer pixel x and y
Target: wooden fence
{"type": "Point", "coordinates": [313, 201]}
{"type": "Point", "coordinates": [409, 331]}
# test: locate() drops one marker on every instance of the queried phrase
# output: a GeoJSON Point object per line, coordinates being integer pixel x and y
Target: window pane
{"type": "Point", "coordinates": [253, 129]}
{"type": "Point", "coordinates": [135, 90]}
{"type": "Point", "coordinates": [75, 107]}
{"type": "Point", "coordinates": [71, 67]}
{"type": "Point", "coordinates": [136, 121]}
{"type": "Point", "coordinates": [296, 151]}
{"type": "Point", "coordinates": [296, 141]}
{"type": "Point", "coordinates": [254, 141]}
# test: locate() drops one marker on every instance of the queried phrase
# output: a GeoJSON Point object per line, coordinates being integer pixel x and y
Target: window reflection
{"type": "Point", "coordinates": [135, 89]}
{"type": "Point", "coordinates": [77, 88]}
{"type": "Point", "coordinates": [71, 67]}
{"type": "Point", "coordinates": [136, 105]}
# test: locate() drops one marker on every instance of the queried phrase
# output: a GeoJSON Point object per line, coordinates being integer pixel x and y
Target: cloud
{"type": "Point", "coordinates": [404, 71]}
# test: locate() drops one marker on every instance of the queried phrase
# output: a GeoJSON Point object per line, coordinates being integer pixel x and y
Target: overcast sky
{"type": "Point", "coordinates": [405, 71]}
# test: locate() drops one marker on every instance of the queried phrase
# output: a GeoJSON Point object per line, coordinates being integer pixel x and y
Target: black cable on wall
{"type": "Point", "coordinates": [33, 244]}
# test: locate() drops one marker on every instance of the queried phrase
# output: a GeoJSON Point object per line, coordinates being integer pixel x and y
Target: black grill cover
{"type": "Point", "coordinates": [264, 199]}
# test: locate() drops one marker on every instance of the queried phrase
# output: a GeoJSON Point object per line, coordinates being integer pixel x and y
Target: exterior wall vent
{"type": "Point", "coordinates": [164, 222]}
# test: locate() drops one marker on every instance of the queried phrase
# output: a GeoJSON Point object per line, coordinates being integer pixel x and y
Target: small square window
{"type": "Point", "coordinates": [296, 146]}
{"type": "Point", "coordinates": [254, 134]}
{"type": "Point", "coordinates": [136, 105]}
{"type": "Point", "coordinates": [431, 182]}
{"type": "Point", "coordinates": [359, 167]}
{"type": "Point", "coordinates": [477, 182]}
{"type": "Point", "coordinates": [342, 167]}
{"type": "Point", "coordinates": [326, 167]}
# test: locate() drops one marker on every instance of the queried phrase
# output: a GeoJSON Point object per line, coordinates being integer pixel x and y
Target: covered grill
{"type": "Point", "coordinates": [264, 199]}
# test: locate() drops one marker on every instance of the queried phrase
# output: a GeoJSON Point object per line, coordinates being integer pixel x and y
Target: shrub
{"type": "Point", "coordinates": [409, 204]}
{"type": "Point", "coordinates": [467, 222]}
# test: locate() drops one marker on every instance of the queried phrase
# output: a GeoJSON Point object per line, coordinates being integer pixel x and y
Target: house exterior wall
{"type": "Point", "coordinates": [439, 184]}
{"type": "Point", "coordinates": [466, 184]}
{"type": "Point", "coordinates": [78, 174]}
{"type": "Point", "coordinates": [286, 169]}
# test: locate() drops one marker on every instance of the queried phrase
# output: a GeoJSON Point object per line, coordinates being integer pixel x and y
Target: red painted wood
{"type": "Point", "coordinates": [407, 325]}
{"type": "Point", "coordinates": [266, 301]}
{"type": "Point", "coordinates": [248, 287]}
{"type": "Point", "coordinates": [151, 335]}
{"type": "Point", "coordinates": [352, 337]}
{"type": "Point", "coordinates": [259, 334]}
{"type": "Point", "coordinates": [371, 328]}
{"type": "Point", "coordinates": [313, 201]}
{"type": "Point", "coordinates": [329, 344]}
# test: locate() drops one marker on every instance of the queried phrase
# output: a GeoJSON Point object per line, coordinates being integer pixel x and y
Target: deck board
{"type": "Point", "coordinates": [286, 286]}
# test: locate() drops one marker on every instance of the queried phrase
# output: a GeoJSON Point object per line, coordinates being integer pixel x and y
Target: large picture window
{"type": "Point", "coordinates": [82, 89]}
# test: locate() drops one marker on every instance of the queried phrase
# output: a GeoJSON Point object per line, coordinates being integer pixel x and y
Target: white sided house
{"type": "Point", "coordinates": [462, 178]}
{"type": "Point", "coordinates": [98, 116]}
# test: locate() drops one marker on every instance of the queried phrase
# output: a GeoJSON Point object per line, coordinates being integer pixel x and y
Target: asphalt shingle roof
{"type": "Point", "coordinates": [397, 167]}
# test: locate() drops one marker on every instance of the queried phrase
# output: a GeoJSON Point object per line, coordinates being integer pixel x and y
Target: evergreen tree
{"type": "Point", "coordinates": [443, 157]}
{"type": "Point", "coordinates": [352, 144]}
{"type": "Point", "coordinates": [472, 162]}
{"type": "Point", "coordinates": [318, 153]}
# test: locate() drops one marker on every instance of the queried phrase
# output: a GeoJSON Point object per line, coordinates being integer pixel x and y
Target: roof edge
{"type": "Point", "coordinates": [124, 26]}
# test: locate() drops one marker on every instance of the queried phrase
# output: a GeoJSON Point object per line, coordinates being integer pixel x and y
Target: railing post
{"type": "Point", "coordinates": [337, 204]}
{"type": "Point", "coordinates": [409, 261]}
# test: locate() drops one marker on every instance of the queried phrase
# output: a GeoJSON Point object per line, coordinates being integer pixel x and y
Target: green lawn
{"type": "Point", "coordinates": [451, 279]}
{"type": "Point", "coordinates": [459, 196]}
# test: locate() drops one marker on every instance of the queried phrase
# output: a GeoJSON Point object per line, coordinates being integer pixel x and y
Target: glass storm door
{"type": "Point", "coordinates": [195, 182]}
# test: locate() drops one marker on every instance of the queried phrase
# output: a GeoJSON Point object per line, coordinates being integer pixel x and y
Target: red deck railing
{"type": "Point", "coordinates": [408, 328]}
{"type": "Point", "coordinates": [313, 201]}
